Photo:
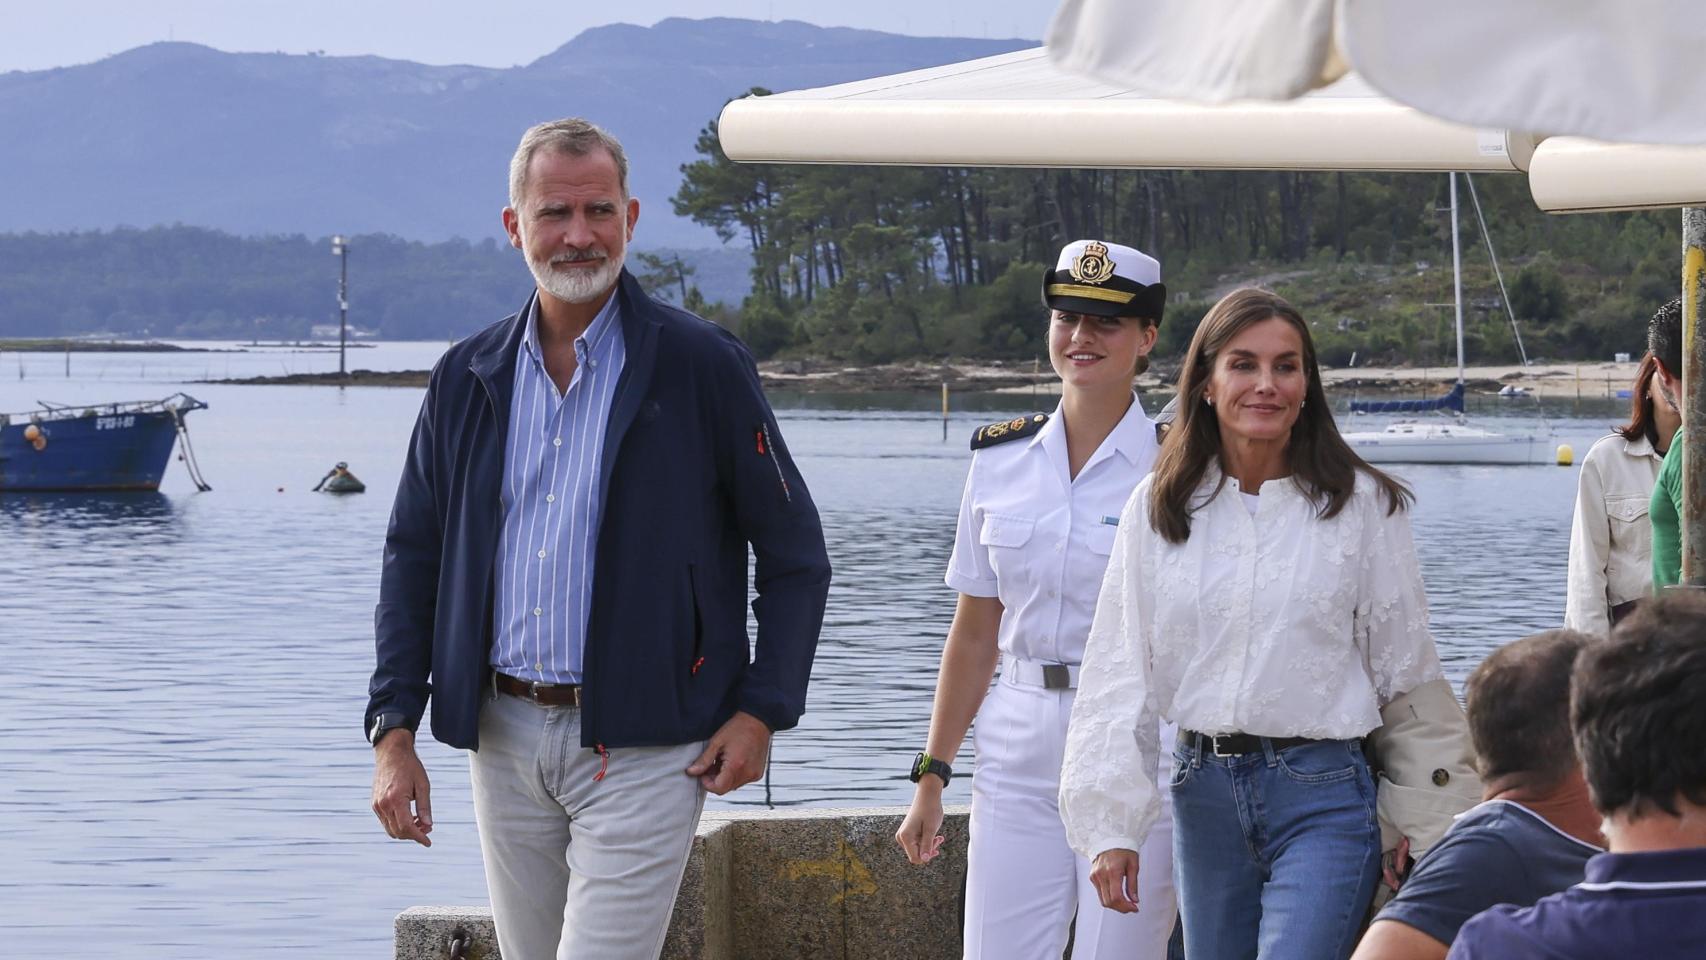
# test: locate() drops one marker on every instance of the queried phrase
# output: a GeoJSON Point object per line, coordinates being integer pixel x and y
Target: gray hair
{"type": "Point", "coordinates": [573, 136]}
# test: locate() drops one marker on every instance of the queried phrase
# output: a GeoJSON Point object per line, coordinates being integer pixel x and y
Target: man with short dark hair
{"type": "Point", "coordinates": [1534, 831]}
{"type": "Point", "coordinates": [567, 565]}
{"type": "Point", "coordinates": [1664, 339]}
{"type": "Point", "coordinates": [1638, 710]}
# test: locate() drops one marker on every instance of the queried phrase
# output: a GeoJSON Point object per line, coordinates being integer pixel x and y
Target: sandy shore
{"type": "Point", "coordinates": [972, 376]}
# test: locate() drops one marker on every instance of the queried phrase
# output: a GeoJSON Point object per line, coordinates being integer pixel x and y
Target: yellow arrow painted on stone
{"type": "Point", "coordinates": [844, 866]}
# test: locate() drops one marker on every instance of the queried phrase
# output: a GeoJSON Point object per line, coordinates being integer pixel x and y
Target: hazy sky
{"type": "Point", "coordinates": [36, 34]}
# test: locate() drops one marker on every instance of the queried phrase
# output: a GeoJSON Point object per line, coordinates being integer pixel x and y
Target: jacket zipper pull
{"type": "Point", "coordinates": [696, 665]}
{"type": "Point", "coordinates": [759, 437]}
{"type": "Point", "coordinates": [603, 761]}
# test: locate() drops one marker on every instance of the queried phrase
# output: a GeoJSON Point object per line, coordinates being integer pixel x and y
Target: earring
{"type": "Point", "coordinates": [1302, 403]}
{"type": "Point", "coordinates": [1208, 400]}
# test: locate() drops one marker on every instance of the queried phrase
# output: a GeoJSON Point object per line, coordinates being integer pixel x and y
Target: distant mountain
{"type": "Point", "coordinates": [283, 144]}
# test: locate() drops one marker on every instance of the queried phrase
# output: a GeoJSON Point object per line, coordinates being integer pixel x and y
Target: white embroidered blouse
{"type": "Point", "coordinates": [1276, 623]}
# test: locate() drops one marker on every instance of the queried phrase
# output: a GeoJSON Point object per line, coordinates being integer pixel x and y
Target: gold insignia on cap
{"type": "Point", "coordinates": [1093, 264]}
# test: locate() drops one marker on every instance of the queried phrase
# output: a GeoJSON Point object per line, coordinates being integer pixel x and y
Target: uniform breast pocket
{"type": "Point", "coordinates": [1100, 539]}
{"type": "Point", "coordinates": [1004, 536]}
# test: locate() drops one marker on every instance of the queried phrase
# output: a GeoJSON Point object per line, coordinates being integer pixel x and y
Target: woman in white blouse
{"type": "Point", "coordinates": [1264, 594]}
{"type": "Point", "coordinates": [1611, 539]}
{"type": "Point", "coordinates": [1036, 523]}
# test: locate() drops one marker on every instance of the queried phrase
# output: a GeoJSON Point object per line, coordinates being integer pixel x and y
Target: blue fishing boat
{"type": "Point", "coordinates": [112, 446]}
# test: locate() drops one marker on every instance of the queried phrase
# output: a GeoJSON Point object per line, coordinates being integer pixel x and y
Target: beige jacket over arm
{"type": "Point", "coordinates": [1611, 541]}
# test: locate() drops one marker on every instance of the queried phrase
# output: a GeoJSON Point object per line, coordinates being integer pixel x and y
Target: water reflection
{"type": "Point", "coordinates": [132, 514]}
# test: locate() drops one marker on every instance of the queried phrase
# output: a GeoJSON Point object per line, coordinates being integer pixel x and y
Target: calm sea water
{"type": "Point", "coordinates": [182, 771]}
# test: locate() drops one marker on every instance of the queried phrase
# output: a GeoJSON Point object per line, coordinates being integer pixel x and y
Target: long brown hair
{"type": "Point", "coordinates": [1320, 460]}
{"type": "Point", "coordinates": [1641, 422]}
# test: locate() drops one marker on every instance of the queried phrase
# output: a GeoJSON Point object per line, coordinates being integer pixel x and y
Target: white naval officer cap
{"type": "Point", "coordinates": [1106, 280]}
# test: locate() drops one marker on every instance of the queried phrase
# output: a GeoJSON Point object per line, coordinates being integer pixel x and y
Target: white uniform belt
{"type": "Point", "coordinates": [1035, 673]}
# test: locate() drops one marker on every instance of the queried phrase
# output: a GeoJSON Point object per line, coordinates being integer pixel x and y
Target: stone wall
{"type": "Point", "coordinates": [778, 885]}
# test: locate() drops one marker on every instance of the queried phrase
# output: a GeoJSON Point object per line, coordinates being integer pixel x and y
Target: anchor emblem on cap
{"type": "Point", "coordinates": [1092, 265]}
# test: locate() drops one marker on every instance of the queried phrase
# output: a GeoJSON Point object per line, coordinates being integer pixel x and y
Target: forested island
{"type": "Point", "coordinates": [873, 265]}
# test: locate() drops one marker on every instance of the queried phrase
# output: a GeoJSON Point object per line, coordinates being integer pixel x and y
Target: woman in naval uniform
{"type": "Point", "coordinates": [1037, 521]}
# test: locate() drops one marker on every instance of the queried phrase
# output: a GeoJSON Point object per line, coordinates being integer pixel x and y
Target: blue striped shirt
{"type": "Point", "coordinates": [550, 502]}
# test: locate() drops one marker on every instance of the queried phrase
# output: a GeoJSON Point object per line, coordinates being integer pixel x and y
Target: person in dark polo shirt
{"type": "Point", "coordinates": [1638, 710]}
{"type": "Point", "coordinates": [1534, 831]}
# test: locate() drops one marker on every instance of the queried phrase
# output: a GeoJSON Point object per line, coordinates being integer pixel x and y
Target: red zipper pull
{"type": "Point", "coordinates": [759, 437]}
{"type": "Point", "coordinates": [603, 761]}
{"type": "Point", "coordinates": [696, 665]}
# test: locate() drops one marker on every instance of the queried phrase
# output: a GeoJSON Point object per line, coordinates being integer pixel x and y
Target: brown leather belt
{"type": "Point", "coordinates": [544, 694]}
{"type": "Point", "coordinates": [1235, 744]}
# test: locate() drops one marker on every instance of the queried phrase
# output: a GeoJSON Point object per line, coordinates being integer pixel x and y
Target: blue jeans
{"type": "Point", "coordinates": [1275, 853]}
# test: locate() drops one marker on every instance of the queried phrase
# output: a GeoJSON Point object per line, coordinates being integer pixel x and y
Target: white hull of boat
{"type": "Point", "coordinates": [1437, 445]}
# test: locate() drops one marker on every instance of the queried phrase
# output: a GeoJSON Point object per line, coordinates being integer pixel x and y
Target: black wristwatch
{"type": "Point", "coordinates": [925, 763]}
{"type": "Point", "coordinates": [384, 723]}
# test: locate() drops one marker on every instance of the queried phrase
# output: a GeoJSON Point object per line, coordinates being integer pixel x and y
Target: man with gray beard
{"type": "Point", "coordinates": [565, 576]}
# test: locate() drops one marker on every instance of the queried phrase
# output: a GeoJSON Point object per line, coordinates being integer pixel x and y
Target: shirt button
{"type": "Point", "coordinates": [1051, 594]}
{"type": "Point", "coordinates": [541, 554]}
{"type": "Point", "coordinates": [557, 442]}
{"type": "Point", "coordinates": [540, 667]}
{"type": "Point", "coordinates": [538, 610]}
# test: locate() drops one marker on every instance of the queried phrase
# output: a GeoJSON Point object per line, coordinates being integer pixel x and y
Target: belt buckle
{"type": "Point", "coordinates": [1056, 676]}
{"type": "Point", "coordinates": [533, 690]}
{"type": "Point", "coordinates": [1214, 746]}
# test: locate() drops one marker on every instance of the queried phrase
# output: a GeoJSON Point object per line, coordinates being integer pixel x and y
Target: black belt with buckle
{"type": "Point", "coordinates": [544, 694]}
{"type": "Point", "coordinates": [1237, 744]}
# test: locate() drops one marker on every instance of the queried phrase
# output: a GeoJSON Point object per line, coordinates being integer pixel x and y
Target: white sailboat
{"type": "Point", "coordinates": [1442, 441]}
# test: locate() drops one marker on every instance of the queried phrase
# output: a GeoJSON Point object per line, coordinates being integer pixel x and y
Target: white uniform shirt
{"type": "Point", "coordinates": [1037, 539]}
{"type": "Point", "coordinates": [1277, 624]}
{"type": "Point", "coordinates": [1611, 538]}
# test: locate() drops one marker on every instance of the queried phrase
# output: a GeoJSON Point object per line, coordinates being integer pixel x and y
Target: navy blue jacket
{"type": "Point", "coordinates": [694, 470]}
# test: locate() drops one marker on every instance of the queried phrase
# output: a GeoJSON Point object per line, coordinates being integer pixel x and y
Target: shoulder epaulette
{"type": "Point", "coordinates": [1162, 428]}
{"type": "Point", "coordinates": [1005, 430]}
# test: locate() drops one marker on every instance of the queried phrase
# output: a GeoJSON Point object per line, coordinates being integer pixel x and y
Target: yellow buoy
{"type": "Point", "coordinates": [1566, 455]}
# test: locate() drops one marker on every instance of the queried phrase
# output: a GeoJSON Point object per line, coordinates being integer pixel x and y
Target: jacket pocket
{"type": "Point", "coordinates": [696, 651]}
{"type": "Point", "coordinates": [1627, 508]}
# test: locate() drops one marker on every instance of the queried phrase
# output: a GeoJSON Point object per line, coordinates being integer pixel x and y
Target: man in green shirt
{"type": "Point", "coordinates": [1664, 339]}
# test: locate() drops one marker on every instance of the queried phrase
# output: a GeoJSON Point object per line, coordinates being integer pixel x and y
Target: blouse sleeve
{"type": "Point", "coordinates": [1108, 794]}
{"type": "Point", "coordinates": [969, 570]}
{"type": "Point", "coordinates": [1585, 596]}
{"type": "Point", "coordinates": [1391, 616]}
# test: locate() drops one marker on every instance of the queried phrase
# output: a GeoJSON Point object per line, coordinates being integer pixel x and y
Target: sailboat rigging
{"type": "Point", "coordinates": [1453, 441]}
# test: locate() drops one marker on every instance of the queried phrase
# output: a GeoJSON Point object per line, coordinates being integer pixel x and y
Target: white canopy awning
{"type": "Point", "coordinates": [1573, 175]}
{"type": "Point", "coordinates": [1019, 109]}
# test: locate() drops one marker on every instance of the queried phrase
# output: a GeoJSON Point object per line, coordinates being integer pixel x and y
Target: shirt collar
{"type": "Point", "coordinates": [586, 343]}
{"type": "Point", "coordinates": [1686, 866]}
{"type": "Point", "coordinates": [1640, 448]}
{"type": "Point", "coordinates": [1131, 436]}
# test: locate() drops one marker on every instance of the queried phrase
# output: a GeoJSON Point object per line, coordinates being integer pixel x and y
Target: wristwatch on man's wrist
{"type": "Point", "coordinates": [384, 723]}
{"type": "Point", "coordinates": [925, 763]}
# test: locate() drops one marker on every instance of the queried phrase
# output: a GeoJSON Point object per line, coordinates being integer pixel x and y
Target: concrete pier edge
{"type": "Point", "coordinates": [789, 884]}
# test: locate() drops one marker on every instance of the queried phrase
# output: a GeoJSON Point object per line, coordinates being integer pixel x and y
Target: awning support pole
{"type": "Point", "coordinates": [1694, 393]}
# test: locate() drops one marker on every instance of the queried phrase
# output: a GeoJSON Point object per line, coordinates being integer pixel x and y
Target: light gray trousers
{"type": "Point", "coordinates": [577, 868]}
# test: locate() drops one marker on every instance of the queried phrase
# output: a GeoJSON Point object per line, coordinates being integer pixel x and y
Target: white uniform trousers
{"type": "Point", "coordinates": [1023, 883]}
{"type": "Point", "coordinates": [577, 868]}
